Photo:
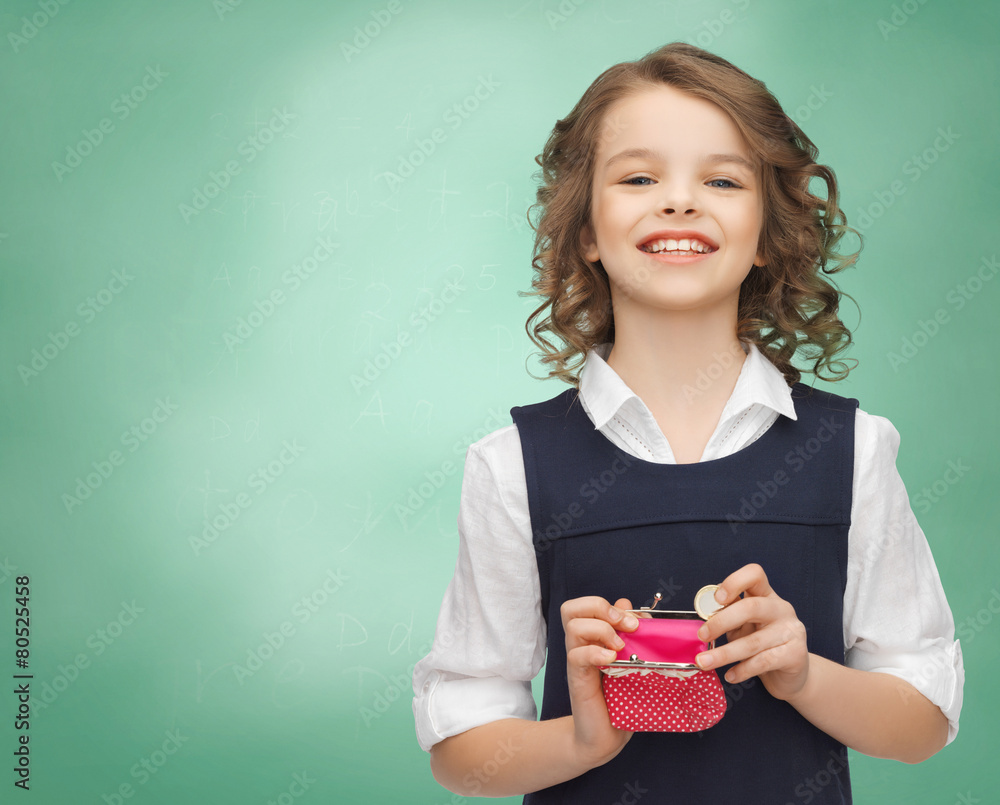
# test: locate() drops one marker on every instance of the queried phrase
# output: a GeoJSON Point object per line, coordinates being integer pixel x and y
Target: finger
{"type": "Point", "coordinates": [750, 579]}
{"type": "Point", "coordinates": [742, 631]}
{"type": "Point", "coordinates": [770, 641]}
{"type": "Point", "coordinates": [736, 650]}
{"type": "Point", "coordinates": [626, 625]}
{"type": "Point", "coordinates": [582, 660]}
{"type": "Point", "coordinates": [752, 610]}
{"type": "Point", "coordinates": [593, 606]}
{"type": "Point", "coordinates": [587, 631]}
{"type": "Point", "coordinates": [783, 657]}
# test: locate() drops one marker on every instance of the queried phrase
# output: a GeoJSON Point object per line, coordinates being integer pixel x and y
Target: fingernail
{"type": "Point", "coordinates": [730, 676]}
{"type": "Point", "coordinates": [703, 633]}
{"type": "Point", "coordinates": [610, 656]}
{"type": "Point", "coordinates": [704, 659]}
{"type": "Point", "coordinates": [720, 596]}
{"type": "Point", "coordinates": [615, 615]}
{"type": "Point", "coordinates": [631, 621]}
{"type": "Point", "coordinates": [620, 643]}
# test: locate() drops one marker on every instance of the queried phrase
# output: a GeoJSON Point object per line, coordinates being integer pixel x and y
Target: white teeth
{"type": "Point", "coordinates": [682, 245]}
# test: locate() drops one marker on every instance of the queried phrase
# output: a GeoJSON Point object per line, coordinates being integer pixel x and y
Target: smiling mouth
{"type": "Point", "coordinates": [682, 247]}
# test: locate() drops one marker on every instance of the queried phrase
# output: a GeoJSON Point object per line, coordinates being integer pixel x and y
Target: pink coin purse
{"type": "Point", "coordinates": [655, 685]}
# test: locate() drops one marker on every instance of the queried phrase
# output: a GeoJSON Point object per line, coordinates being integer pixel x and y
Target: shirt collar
{"type": "Point", "coordinates": [760, 382]}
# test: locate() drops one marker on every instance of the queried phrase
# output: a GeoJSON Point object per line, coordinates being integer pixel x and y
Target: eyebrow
{"type": "Point", "coordinates": [648, 153]}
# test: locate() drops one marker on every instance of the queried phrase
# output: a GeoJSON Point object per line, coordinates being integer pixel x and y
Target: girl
{"type": "Point", "coordinates": [679, 254]}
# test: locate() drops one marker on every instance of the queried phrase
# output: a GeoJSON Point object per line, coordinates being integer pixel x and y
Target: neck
{"type": "Point", "coordinates": [678, 361]}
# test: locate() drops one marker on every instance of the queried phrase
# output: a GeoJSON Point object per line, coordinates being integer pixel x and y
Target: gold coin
{"type": "Point", "coordinates": [704, 601]}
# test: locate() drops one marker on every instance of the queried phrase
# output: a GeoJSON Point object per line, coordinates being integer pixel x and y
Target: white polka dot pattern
{"type": "Point", "coordinates": [656, 703]}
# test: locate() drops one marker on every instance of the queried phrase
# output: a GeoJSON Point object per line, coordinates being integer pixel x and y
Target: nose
{"type": "Point", "coordinates": [676, 195]}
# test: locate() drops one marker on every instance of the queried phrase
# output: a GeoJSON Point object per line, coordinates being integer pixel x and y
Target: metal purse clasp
{"type": "Point", "coordinates": [634, 661]}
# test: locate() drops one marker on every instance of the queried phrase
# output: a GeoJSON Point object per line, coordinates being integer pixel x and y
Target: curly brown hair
{"type": "Point", "coordinates": [784, 306]}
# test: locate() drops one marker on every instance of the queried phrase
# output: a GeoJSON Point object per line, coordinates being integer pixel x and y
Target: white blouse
{"type": "Point", "coordinates": [490, 638]}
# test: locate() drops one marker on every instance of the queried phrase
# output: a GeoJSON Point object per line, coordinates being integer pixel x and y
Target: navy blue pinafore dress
{"type": "Point", "coordinates": [609, 524]}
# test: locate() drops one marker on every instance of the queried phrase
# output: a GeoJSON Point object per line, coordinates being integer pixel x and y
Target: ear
{"type": "Point", "coordinates": [589, 244]}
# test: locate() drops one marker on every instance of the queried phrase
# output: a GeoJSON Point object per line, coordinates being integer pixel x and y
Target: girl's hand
{"type": "Point", "coordinates": [762, 630]}
{"type": "Point", "coordinates": [590, 623]}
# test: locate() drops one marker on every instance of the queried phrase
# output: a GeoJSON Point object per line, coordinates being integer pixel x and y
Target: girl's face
{"type": "Point", "coordinates": [672, 174]}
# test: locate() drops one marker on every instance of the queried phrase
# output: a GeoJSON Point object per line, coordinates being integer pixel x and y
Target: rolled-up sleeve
{"type": "Point", "coordinates": [896, 615]}
{"type": "Point", "coordinates": [489, 642]}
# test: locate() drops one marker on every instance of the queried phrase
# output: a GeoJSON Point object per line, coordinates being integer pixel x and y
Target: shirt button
{"type": "Point", "coordinates": [427, 686]}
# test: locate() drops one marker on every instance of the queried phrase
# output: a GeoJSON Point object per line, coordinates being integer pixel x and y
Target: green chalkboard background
{"type": "Point", "coordinates": [201, 244]}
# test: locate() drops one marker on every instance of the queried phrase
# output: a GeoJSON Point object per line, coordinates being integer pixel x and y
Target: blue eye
{"type": "Point", "coordinates": [635, 182]}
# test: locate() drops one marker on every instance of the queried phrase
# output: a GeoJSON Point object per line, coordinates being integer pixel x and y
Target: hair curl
{"type": "Point", "coordinates": [784, 306]}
